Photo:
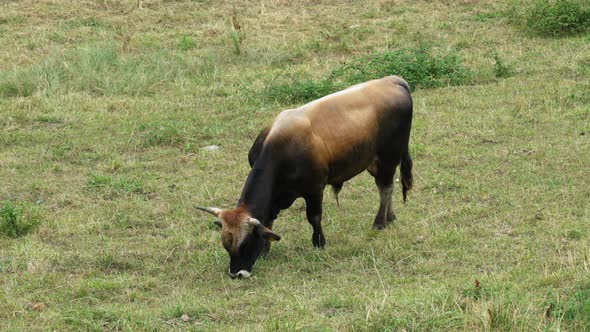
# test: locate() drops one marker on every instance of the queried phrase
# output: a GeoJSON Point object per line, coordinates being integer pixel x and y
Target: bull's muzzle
{"type": "Point", "coordinates": [240, 274]}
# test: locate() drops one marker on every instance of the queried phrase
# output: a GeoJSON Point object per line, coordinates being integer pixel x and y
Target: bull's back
{"type": "Point", "coordinates": [353, 123]}
{"type": "Point", "coordinates": [340, 133]}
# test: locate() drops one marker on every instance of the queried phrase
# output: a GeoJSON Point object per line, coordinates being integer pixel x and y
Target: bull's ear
{"type": "Point", "coordinates": [269, 235]}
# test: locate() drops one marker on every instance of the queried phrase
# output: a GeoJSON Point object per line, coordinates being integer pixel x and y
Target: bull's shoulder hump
{"type": "Point", "coordinates": [337, 97]}
{"type": "Point", "coordinates": [288, 122]}
{"type": "Point", "coordinates": [362, 93]}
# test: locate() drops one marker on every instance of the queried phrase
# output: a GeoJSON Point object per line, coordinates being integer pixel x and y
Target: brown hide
{"type": "Point", "coordinates": [325, 142]}
{"type": "Point", "coordinates": [341, 131]}
{"type": "Point", "coordinates": [234, 227]}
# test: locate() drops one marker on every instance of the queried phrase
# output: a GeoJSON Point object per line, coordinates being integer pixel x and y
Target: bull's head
{"type": "Point", "coordinates": [243, 237]}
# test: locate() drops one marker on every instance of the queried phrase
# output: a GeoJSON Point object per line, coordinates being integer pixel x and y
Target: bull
{"type": "Point", "coordinates": [325, 142]}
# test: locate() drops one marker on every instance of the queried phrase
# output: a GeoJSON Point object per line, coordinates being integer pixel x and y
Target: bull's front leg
{"type": "Point", "coordinates": [314, 217]}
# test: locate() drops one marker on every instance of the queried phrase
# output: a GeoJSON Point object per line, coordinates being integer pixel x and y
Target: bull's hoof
{"type": "Point", "coordinates": [378, 227]}
{"type": "Point", "coordinates": [391, 218]}
{"type": "Point", "coordinates": [318, 240]}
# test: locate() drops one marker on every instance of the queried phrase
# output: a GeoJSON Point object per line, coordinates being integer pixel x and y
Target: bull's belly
{"type": "Point", "coordinates": [347, 168]}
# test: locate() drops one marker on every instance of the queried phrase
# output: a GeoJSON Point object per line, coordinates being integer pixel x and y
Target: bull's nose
{"type": "Point", "coordinates": [240, 274]}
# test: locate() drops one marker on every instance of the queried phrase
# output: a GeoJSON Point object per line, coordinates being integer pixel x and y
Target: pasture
{"type": "Point", "coordinates": [106, 107]}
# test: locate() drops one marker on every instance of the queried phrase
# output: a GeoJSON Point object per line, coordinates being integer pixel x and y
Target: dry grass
{"type": "Point", "coordinates": [494, 237]}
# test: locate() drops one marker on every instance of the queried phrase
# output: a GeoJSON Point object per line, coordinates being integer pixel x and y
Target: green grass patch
{"type": "Point", "coordinates": [105, 108]}
{"type": "Point", "coordinates": [549, 18]}
{"type": "Point", "coordinates": [186, 43]}
{"type": "Point", "coordinates": [166, 133]}
{"type": "Point", "coordinates": [91, 22]}
{"type": "Point", "coordinates": [17, 220]}
{"type": "Point", "coordinates": [114, 186]}
{"type": "Point", "coordinates": [558, 18]}
{"type": "Point", "coordinates": [101, 71]}
{"type": "Point", "coordinates": [420, 66]}
{"type": "Point", "coordinates": [501, 68]}
{"type": "Point", "coordinates": [100, 319]}
{"type": "Point", "coordinates": [484, 17]}
{"type": "Point", "coordinates": [300, 90]}
{"type": "Point", "coordinates": [573, 309]}
{"type": "Point", "coordinates": [236, 41]}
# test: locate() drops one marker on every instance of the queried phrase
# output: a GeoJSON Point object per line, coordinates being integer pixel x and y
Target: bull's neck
{"type": "Point", "coordinates": [258, 190]}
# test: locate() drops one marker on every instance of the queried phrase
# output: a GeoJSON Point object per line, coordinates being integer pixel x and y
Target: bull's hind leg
{"type": "Point", "coordinates": [383, 174]}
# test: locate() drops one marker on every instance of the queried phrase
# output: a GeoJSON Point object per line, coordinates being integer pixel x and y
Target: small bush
{"type": "Point", "coordinates": [15, 220]}
{"type": "Point", "coordinates": [419, 66]}
{"type": "Point", "coordinates": [558, 18]}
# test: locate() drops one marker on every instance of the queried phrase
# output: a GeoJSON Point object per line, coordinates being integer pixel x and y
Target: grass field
{"type": "Point", "coordinates": [105, 107]}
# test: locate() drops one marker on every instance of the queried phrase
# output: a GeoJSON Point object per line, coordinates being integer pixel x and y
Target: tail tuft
{"type": "Point", "coordinates": [406, 174]}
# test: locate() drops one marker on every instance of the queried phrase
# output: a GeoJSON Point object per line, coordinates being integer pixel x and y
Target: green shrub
{"type": "Point", "coordinates": [558, 18]}
{"type": "Point", "coordinates": [16, 220]}
{"type": "Point", "coordinates": [419, 66]}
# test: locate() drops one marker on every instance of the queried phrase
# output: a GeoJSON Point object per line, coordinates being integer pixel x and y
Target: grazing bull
{"type": "Point", "coordinates": [325, 142]}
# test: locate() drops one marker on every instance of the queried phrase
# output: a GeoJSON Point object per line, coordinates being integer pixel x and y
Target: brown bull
{"type": "Point", "coordinates": [325, 142]}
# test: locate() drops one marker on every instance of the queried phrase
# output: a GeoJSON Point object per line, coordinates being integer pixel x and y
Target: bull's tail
{"type": "Point", "coordinates": [406, 173]}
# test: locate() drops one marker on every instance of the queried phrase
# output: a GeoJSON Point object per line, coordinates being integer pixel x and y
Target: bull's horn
{"type": "Point", "coordinates": [212, 210]}
{"type": "Point", "coordinates": [253, 222]}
